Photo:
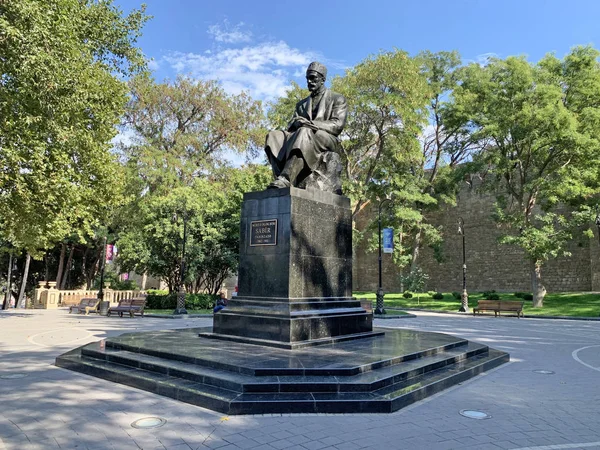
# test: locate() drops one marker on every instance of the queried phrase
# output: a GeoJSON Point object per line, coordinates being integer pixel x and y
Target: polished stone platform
{"type": "Point", "coordinates": [372, 375]}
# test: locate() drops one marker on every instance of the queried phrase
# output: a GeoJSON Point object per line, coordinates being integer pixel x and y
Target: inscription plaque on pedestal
{"type": "Point", "coordinates": [263, 232]}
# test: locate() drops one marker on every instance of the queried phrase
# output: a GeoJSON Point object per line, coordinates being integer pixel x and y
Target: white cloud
{"type": "Point", "coordinates": [153, 65]}
{"type": "Point", "coordinates": [483, 59]}
{"type": "Point", "coordinates": [264, 70]}
{"type": "Point", "coordinates": [227, 34]}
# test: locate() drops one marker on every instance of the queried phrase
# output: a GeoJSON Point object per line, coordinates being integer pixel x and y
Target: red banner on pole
{"type": "Point", "coordinates": [110, 252]}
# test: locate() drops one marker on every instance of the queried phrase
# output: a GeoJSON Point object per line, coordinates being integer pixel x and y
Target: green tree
{"type": "Point", "coordinates": [61, 96]}
{"type": "Point", "coordinates": [386, 97]}
{"type": "Point", "coordinates": [181, 129]}
{"type": "Point", "coordinates": [539, 126]}
{"type": "Point", "coordinates": [445, 143]}
{"type": "Point", "coordinates": [211, 208]}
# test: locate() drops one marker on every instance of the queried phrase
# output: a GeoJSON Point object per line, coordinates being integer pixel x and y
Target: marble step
{"type": "Point", "coordinates": [365, 381]}
{"type": "Point", "coordinates": [377, 375]}
{"type": "Point", "coordinates": [260, 361]}
{"type": "Point", "coordinates": [211, 397]}
{"type": "Point", "coordinates": [387, 399]}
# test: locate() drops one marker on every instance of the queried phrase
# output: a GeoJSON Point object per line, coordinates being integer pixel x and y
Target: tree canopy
{"type": "Point", "coordinates": [61, 97]}
{"type": "Point", "coordinates": [538, 127]}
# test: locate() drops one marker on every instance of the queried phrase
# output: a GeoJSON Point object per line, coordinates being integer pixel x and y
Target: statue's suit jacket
{"type": "Point", "coordinates": [330, 116]}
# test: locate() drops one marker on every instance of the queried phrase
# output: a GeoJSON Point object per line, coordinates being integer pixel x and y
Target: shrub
{"type": "Point", "coordinates": [157, 292]}
{"type": "Point", "coordinates": [457, 295]}
{"type": "Point", "coordinates": [431, 293]}
{"type": "Point", "coordinates": [192, 301]}
{"type": "Point", "coordinates": [407, 295]}
{"type": "Point", "coordinates": [486, 294]}
{"type": "Point", "coordinates": [201, 301]}
{"type": "Point", "coordinates": [520, 294]}
{"type": "Point", "coordinates": [493, 296]}
{"type": "Point", "coordinates": [528, 297]}
{"type": "Point", "coordinates": [415, 281]}
{"type": "Point", "coordinates": [438, 296]}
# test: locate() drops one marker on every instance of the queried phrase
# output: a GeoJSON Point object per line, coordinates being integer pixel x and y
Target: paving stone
{"type": "Point", "coordinates": [552, 413]}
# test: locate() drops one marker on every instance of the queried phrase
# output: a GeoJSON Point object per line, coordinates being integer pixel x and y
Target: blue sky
{"type": "Point", "coordinates": [260, 45]}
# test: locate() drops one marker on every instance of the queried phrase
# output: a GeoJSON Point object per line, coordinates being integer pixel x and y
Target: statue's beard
{"type": "Point", "coordinates": [314, 88]}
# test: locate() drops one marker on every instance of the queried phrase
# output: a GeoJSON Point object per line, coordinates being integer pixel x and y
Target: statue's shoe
{"type": "Point", "coordinates": [279, 183]}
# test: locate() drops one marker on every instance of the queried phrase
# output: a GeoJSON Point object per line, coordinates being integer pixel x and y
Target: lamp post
{"type": "Point", "coordinates": [464, 296]}
{"type": "Point", "coordinates": [181, 292]}
{"type": "Point", "coordinates": [102, 264]}
{"type": "Point", "coordinates": [379, 306]}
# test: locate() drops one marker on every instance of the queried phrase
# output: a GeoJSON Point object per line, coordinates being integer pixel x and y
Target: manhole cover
{"type": "Point", "coordinates": [544, 372]}
{"type": "Point", "coordinates": [149, 422]}
{"type": "Point", "coordinates": [472, 414]}
{"type": "Point", "coordinates": [13, 376]}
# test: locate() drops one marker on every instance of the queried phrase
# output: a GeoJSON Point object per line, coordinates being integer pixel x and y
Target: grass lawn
{"type": "Point", "coordinates": [574, 304]}
{"type": "Point", "coordinates": [168, 312]}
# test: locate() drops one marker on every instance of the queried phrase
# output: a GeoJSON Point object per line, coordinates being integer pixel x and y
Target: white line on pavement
{"type": "Point", "coordinates": [31, 339]}
{"type": "Point", "coordinates": [561, 446]}
{"type": "Point", "coordinates": [576, 358]}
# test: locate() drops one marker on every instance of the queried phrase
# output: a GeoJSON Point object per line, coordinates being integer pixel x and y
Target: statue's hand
{"type": "Point", "coordinates": [304, 122]}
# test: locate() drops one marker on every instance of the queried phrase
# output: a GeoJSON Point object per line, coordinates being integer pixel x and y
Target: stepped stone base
{"type": "Point", "coordinates": [292, 323]}
{"type": "Point", "coordinates": [376, 375]}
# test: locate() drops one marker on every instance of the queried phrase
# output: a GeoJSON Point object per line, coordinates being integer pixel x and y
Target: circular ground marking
{"type": "Point", "coordinates": [13, 376]}
{"type": "Point", "coordinates": [473, 414]}
{"type": "Point", "coordinates": [544, 372]}
{"type": "Point", "coordinates": [149, 422]}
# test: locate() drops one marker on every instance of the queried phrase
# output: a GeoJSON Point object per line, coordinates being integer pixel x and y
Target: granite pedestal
{"type": "Point", "coordinates": [295, 272]}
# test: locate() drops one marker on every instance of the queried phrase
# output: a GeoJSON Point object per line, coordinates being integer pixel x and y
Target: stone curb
{"type": "Point", "coordinates": [393, 316]}
{"type": "Point", "coordinates": [525, 316]}
{"type": "Point", "coordinates": [190, 316]}
{"type": "Point", "coordinates": [179, 316]}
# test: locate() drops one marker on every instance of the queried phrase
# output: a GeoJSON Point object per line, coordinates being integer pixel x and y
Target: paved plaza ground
{"type": "Point", "coordinates": [55, 408]}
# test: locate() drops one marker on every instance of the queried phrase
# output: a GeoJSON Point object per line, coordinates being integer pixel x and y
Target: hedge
{"type": "Point", "coordinates": [192, 301]}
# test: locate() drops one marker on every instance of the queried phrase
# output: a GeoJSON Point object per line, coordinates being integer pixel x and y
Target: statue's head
{"type": "Point", "coordinates": [315, 76]}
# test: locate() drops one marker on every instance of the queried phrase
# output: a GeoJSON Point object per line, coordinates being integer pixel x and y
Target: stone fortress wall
{"type": "Point", "coordinates": [490, 265]}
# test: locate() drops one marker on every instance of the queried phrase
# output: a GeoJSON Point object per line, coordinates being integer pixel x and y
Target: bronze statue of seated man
{"type": "Point", "coordinates": [298, 152]}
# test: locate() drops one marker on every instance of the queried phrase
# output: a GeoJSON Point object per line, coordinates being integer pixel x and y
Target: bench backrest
{"type": "Point", "coordinates": [488, 303]}
{"type": "Point", "coordinates": [511, 304]}
{"type": "Point", "coordinates": [94, 302]}
{"type": "Point", "coordinates": [125, 302]}
{"type": "Point", "coordinates": [138, 302]}
{"type": "Point", "coordinates": [90, 301]}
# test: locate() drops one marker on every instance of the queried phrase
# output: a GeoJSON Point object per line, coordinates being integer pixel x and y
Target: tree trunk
{"type": "Point", "coordinates": [144, 281]}
{"type": "Point", "coordinates": [47, 268]}
{"type": "Point", "coordinates": [63, 282]}
{"type": "Point", "coordinates": [415, 251]}
{"type": "Point", "coordinates": [7, 297]}
{"type": "Point", "coordinates": [539, 291]}
{"type": "Point", "coordinates": [61, 263]}
{"type": "Point", "coordinates": [24, 281]}
{"type": "Point", "coordinates": [93, 270]}
{"type": "Point", "coordinates": [84, 264]}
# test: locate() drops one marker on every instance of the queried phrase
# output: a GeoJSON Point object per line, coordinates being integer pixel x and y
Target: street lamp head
{"type": "Point", "coordinates": [461, 226]}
